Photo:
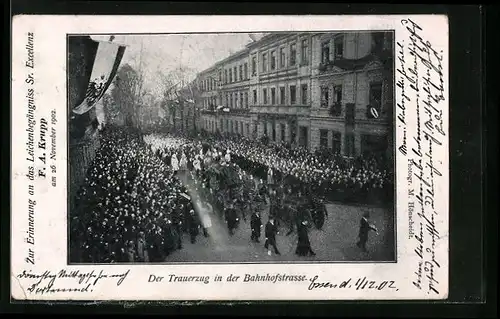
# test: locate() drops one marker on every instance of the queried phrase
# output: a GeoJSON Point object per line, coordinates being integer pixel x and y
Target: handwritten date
{"type": "Point", "coordinates": [357, 284]}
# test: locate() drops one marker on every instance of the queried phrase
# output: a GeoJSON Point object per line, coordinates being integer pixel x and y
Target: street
{"type": "Point", "coordinates": [335, 242]}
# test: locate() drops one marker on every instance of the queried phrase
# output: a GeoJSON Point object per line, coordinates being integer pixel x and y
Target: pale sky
{"type": "Point", "coordinates": [165, 53]}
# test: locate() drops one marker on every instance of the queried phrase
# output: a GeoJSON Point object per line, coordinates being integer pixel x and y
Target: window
{"type": "Point", "coordinates": [225, 76]}
{"type": "Point", "coordinates": [241, 100]}
{"type": "Point", "coordinates": [304, 56]}
{"type": "Point", "coordinates": [377, 42]}
{"type": "Point", "coordinates": [231, 100]}
{"type": "Point", "coordinates": [254, 97]}
{"type": "Point", "coordinates": [265, 128]}
{"type": "Point", "coordinates": [273, 60]}
{"type": "Point", "coordinates": [387, 41]}
{"type": "Point", "coordinates": [325, 99]}
{"type": "Point", "coordinates": [264, 96]}
{"type": "Point", "coordinates": [323, 138]}
{"type": "Point", "coordinates": [282, 58]}
{"type": "Point", "coordinates": [235, 96]}
{"type": "Point", "coordinates": [241, 72]}
{"type": "Point", "coordinates": [339, 46]}
{"type": "Point", "coordinates": [227, 99]}
{"type": "Point", "coordinates": [303, 94]}
{"type": "Point", "coordinates": [274, 133]}
{"type": "Point", "coordinates": [230, 75]}
{"type": "Point", "coordinates": [264, 62]}
{"type": "Point", "coordinates": [325, 52]}
{"type": "Point", "coordinates": [255, 128]}
{"type": "Point", "coordinates": [282, 127]}
{"type": "Point", "coordinates": [246, 70]}
{"type": "Point", "coordinates": [235, 74]}
{"type": "Point", "coordinates": [349, 144]}
{"type": "Point", "coordinates": [254, 66]}
{"type": "Point", "coordinates": [273, 96]}
{"type": "Point", "coordinates": [336, 142]}
{"type": "Point", "coordinates": [303, 136]}
{"type": "Point", "coordinates": [337, 93]}
{"type": "Point", "coordinates": [246, 99]}
{"type": "Point", "coordinates": [293, 54]}
{"type": "Point", "coordinates": [282, 95]}
{"type": "Point", "coordinates": [248, 129]}
{"type": "Point", "coordinates": [293, 94]}
{"type": "Point", "coordinates": [375, 100]}
{"type": "Point", "coordinates": [350, 114]}
{"type": "Point", "coordinates": [220, 76]}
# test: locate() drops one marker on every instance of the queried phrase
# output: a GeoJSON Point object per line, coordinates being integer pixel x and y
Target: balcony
{"type": "Point", "coordinates": [237, 111]}
{"type": "Point", "coordinates": [286, 109]}
{"type": "Point", "coordinates": [347, 64]}
{"type": "Point", "coordinates": [226, 110]}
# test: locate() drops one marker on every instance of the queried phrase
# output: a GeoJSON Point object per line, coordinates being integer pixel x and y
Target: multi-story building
{"type": "Point", "coordinates": [226, 102]}
{"type": "Point", "coordinates": [317, 90]}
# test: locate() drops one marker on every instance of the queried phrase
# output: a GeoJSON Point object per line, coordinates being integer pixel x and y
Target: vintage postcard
{"type": "Point", "coordinates": [230, 157]}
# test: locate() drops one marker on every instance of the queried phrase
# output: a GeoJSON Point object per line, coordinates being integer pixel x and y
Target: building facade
{"type": "Point", "coordinates": [316, 90]}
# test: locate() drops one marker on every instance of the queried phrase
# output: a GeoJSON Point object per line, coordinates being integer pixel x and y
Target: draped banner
{"type": "Point", "coordinates": [103, 60]}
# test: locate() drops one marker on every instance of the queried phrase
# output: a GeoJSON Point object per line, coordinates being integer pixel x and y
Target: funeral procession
{"type": "Point", "coordinates": [231, 148]}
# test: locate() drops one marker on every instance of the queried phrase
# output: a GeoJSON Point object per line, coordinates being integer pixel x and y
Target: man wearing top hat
{"type": "Point", "coordinates": [364, 228]}
{"type": "Point", "coordinates": [270, 232]}
{"type": "Point", "coordinates": [255, 225]}
{"type": "Point", "coordinates": [303, 244]}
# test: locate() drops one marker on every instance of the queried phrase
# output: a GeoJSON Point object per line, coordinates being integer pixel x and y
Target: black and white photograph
{"type": "Point", "coordinates": [230, 158]}
{"type": "Point", "coordinates": [231, 147]}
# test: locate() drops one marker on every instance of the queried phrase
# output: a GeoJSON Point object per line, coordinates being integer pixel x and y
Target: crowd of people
{"type": "Point", "coordinates": [130, 207]}
{"type": "Point", "coordinates": [322, 172]}
{"type": "Point", "coordinates": [142, 193]}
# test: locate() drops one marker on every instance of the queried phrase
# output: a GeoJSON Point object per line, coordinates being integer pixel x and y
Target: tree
{"type": "Point", "coordinates": [111, 110]}
{"type": "Point", "coordinates": [127, 93]}
{"type": "Point", "coordinates": [175, 90]}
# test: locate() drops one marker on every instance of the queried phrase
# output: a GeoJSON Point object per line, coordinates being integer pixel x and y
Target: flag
{"type": "Point", "coordinates": [102, 60]}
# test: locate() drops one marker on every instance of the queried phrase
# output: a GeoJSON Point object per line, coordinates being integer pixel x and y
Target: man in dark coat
{"type": "Point", "coordinates": [231, 218]}
{"type": "Point", "coordinates": [193, 226]}
{"type": "Point", "coordinates": [177, 223]}
{"type": "Point", "coordinates": [303, 245]}
{"type": "Point", "coordinates": [364, 228]}
{"type": "Point", "coordinates": [255, 224]}
{"type": "Point", "coordinates": [270, 232]}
